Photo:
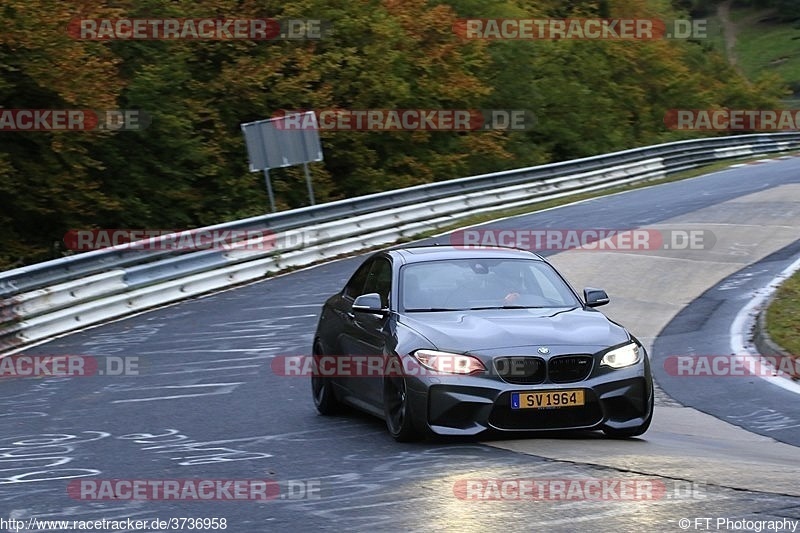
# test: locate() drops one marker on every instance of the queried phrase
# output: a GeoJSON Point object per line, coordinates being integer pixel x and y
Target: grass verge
{"type": "Point", "coordinates": [783, 316]}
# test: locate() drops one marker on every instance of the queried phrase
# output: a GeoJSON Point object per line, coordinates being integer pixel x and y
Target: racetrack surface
{"type": "Point", "coordinates": [206, 403]}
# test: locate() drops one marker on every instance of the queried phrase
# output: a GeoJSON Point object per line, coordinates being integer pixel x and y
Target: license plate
{"type": "Point", "coordinates": [547, 399]}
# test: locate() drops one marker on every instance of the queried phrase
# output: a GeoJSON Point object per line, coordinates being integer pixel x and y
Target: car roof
{"type": "Point", "coordinates": [418, 254]}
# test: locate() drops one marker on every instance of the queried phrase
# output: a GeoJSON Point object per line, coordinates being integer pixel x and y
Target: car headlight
{"type": "Point", "coordinates": [621, 357]}
{"type": "Point", "coordinates": [448, 363]}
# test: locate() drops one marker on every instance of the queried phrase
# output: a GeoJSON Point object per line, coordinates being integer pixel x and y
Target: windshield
{"type": "Point", "coordinates": [469, 284]}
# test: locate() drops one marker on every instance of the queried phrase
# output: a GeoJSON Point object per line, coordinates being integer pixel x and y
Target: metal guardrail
{"type": "Point", "coordinates": [46, 299]}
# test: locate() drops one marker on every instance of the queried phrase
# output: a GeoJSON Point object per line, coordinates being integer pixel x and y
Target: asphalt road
{"type": "Point", "coordinates": [206, 404]}
{"type": "Point", "coordinates": [701, 329]}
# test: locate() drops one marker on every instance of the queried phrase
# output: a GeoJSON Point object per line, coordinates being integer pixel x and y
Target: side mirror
{"type": "Point", "coordinates": [369, 303]}
{"type": "Point", "coordinates": [595, 297]}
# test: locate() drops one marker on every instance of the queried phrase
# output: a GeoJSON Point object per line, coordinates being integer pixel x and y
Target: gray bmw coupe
{"type": "Point", "coordinates": [451, 341]}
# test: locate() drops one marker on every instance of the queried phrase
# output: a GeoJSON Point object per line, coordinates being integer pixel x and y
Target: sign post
{"type": "Point", "coordinates": [283, 142]}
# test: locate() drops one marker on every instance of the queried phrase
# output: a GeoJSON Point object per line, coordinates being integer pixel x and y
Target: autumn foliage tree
{"type": "Point", "coordinates": [187, 168]}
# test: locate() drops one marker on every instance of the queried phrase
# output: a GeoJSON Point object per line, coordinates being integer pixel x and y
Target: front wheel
{"type": "Point", "coordinates": [397, 410]}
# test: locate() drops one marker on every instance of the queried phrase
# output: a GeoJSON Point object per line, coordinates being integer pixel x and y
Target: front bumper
{"type": "Point", "coordinates": [466, 405]}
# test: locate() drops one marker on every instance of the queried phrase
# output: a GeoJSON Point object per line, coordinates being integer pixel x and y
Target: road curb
{"type": "Point", "coordinates": [764, 343]}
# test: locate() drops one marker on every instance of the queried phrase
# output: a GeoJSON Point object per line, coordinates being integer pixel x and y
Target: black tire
{"type": "Point", "coordinates": [322, 391]}
{"type": "Point", "coordinates": [632, 432]}
{"type": "Point", "coordinates": [397, 411]}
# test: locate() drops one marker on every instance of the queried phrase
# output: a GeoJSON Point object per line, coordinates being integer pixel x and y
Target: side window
{"type": "Point", "coordinates": [355, 287]}
{"type": "Point", "coordinates": [379, 280]}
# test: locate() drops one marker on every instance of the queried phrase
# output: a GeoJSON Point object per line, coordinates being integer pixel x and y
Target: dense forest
{"type": "Point", "coordinates": [188, 167]}
{"type": "Point", "coordinates": [785, 10]}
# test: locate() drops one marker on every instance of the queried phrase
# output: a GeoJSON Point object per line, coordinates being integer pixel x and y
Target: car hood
{"type": "Point", "coordinates": [473, 331]}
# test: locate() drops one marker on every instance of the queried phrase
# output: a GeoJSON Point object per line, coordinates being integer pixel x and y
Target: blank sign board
{"type": "Point", "coordinates": [282, 141]}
